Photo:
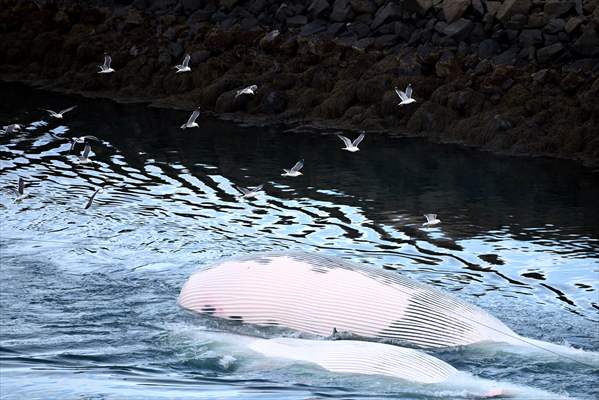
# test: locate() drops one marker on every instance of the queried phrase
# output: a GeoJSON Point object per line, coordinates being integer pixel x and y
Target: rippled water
{"type": "Point", "coordinates": [89, 296]}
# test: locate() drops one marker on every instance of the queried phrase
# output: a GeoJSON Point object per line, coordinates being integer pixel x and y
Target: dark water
{"type": "Point", "coordinates": [88, 297]}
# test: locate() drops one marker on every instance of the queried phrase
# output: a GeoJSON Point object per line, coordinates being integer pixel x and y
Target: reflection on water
{"type": "Point", "coordinates": [94, 290]}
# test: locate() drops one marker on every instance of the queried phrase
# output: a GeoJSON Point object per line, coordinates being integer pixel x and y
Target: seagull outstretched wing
{"type": "Point", "coordinates": [86, 150]}
{"type": "Point", "coordinates": [401, 94]}
{"type": "Point", "coordinates": [359, 139]}
{"type": "Point", "coordinates": [194, 115]}
{"type": "Point", "coordinates": [345, 140]}
{"type": "Point", "coordinates": [107, 61]}
{"type": "Point", "coordinates": [409, 91]}
{"type": "Point", "coordinates": [298, 165]}
{"type": "Point", "coordinates": [185, 62]}
{"type": "Point", "coordinates": [66, 110]}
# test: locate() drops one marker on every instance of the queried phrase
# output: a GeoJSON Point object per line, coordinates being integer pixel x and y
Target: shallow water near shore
{"type": "Point", "coordinates": [88, 297]}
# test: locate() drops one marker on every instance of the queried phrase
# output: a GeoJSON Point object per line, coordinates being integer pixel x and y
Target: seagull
{"type": "Point", "coordinates": [184, 66]}
{"type": "Point", "coordinates": [20, 190]}
{"type": "Point", "coordinates": [84, 158]}
{"type": "Point", "coordinates": [75, 140]}
{"type": "Point", "coordinates": [406, 97]}
{"type": "Point", "coordinates": [60, 114]}
{"type": "Point", "coordinates": [349, 146]}
{"type": "Point", "coordinates": [248, 90]}
{"type": "Point", "coordinates": [191, 122]}
{"type": "Point", "coordinates": [91, 199]}
{"type": "Point", "coordinates": [295, 170]}
{"type": "Point", "coordinates": [105, 68]}
{"type": "Point", "coordinates": [249, 193]}
{"type": "Point", "coordinates": [431, 219]}
{"type": "Point", "coordinates": [12, 128]}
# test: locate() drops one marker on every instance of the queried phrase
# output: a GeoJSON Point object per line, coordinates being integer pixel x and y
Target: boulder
{"type": "Point", "coordinates": [512, 7]}
{"type": "Point", "coordinates": [318, 8]}
{"type": "Point", "coordinates": [479, 6]}
{"type": "Point", "coordinates": [488, 48]}
{"type": "Point", "coordinates": [555, 25]}
{"type": "Point", "coordinates": [454, 9]}
{"type": "Point", "coordinates": [556, 8]}
{"type": "Point", "coordinates": [530, 37]}
{"type": "Point", "coordinates": [549, 53]}
{"type": "Point", "coordinates": [419, 6]}
{"type": "Point", "coordinates": [314, 27]}
{"type": "Point", "coordinates": [363, 6]}
{"type": "Point", "coordinates": [459, 29]}
{"type": "Point", "coordinates": [387, 13]}
{"type": "Point", "coordinates": [573, 23]}
{"type": "Point", "coordinates": [342, 11]}
{"type": "Point", "coordinates": [588, 43]}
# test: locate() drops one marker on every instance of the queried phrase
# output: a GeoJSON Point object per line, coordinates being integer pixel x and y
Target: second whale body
{"type": "Point", "coordinates": [315, 294]}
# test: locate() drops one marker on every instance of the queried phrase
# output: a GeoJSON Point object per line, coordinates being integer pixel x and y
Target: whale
{"type": "Point", "coordinates": [317, 294]}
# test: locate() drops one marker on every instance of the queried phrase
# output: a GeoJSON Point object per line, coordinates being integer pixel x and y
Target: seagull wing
{"type": "Point", "coordinates": [107, 61]}
{"type": "Point", "coordinates": [66, 110]}
{"type": "Point", "coordinates": [86, 150]}
{"type": "Point", "coordinates": [49, 111]}
{"type": "Point", "coordinates": [242, 190]}
{"type": "Point", "coordinates": [91, 199]}
{"type": "Point", "coordinates": [359, 139]}
{"type": "Point", "coordinates": [257, 188]}
{"type": "Point", "coordinates": [345, 140]}
{"type": "Point", "coordinates": [429, 217]}
{"type": "Point", "coordinates": [185, 62]}
{"type": "Point", "coordinates": [253, 88]}
{"type": "Point", "coordinates": [401, 94]}
{"type": "Point", "coordinates": [194, 116]}
{"type": "Point", "coordinates": [298, 165]}
{"type": "Point", "coordinates": [90, 137]}
{"type": "Point", "coordinates": [409, 91]}
{"type": "Point", "coordinates": [21, 189]}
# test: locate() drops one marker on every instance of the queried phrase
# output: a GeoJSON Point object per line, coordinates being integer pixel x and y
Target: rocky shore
{"type": "Point", "coordinates": [512, 76]}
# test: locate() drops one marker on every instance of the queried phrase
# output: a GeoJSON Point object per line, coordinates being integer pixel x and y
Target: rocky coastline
{"type": "Point", "coordinates": [515, 76]}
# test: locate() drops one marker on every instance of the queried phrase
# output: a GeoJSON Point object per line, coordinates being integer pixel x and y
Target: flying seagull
{"type": "Point", "coordinates": [406, 97]}
{"type": "Point", "coordinates": [184, 66]}
{"type": "Point", "coordinates": [248, 90]}
{"type": "Point", "coordinates": [191, 122]}
{"type": "Point", "coordinates": [247, 193]}
{"type": "Point", "coordinates": [431, 219]}
{"type": "Point", "coordinates": [20, 190]}
{"type": "Point", "coordinates": [91, 199]}
{"type": "Point", "coordinates": [12, 128]}
{"type": "Point", "coordinates": [84, 158]}
{"type": "Point", "coordinates": [349, 146]}
{"type": "Point", "coordinates": [105, 68]}
{"type": "Point", "coordinates": [75, 140]}
{"type": "Point", "coordinates": [60, 114]}
{"type": "Point", "coordinates": [295, 170]}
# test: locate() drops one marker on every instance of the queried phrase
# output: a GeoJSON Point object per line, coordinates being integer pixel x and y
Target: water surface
{"type": "Point", "coordinates": [89, 296]}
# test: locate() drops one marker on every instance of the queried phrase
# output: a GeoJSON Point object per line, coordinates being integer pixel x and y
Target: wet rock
{"type": "Point", "coordinates": [342, 11]}
{"type": "Point", "coordinates": [363, 6]}
{"type": "Point", "coordinates": [419, 6]}
{"type": "Point", "coordinates": [530, 37]}
{"type": "Point", "coordinates": [389, 12]}
{"type": "Point", "coordinates": [488, 48]}
{"type": "Point", "coordinates": [454, 9]}
{"type": "Point", "coordinates": [275, 102]}
{"type": "Point", "coordinates": [556, 8]}
{"type": "Point", "coordinates": [513, 7]}
{"type": "Point", "coordinates": [555, 25]}
{"type": "Point", "coordinates": [549, 53]}
{"type": "Point", "coordinates": [431, 117]}
{"type": "Point", "coordinates": [459, 29]}
{"type": "Point", "coordinates": [318, 8]}
{"type": "Point", "coordinates": [588, 43]}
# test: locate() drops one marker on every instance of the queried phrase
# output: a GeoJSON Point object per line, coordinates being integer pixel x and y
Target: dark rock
{"type": "Point", "coordinates": [488, 48]}
{"type": "Point", "coordinates": [341, 98]}
{"type": "Point", "coordinates": [459, 29]}
{"type": "Point", "coordinates": [447, 65]}
{"type": "Point", "coordinates": [549, 53]}
{"type": "Point", "coordinates": [297, 20]}
{"type": "Point", "coordinates": [192, 5]}
{"type": "Point", "coordinates": [313, 27]}
{"type": "Point", "coordinates": [269, 40]}
{"type": "Point", "coordinates": [335, 28]}
{"type": "Point", "coordinates": [555, 25]}
{"type": "Point", "coordinates": [530, 37]}
{"type": "Point", "coordinates": [342, 11]}
{"type": "Point", "coordinates": [513, 7]}
{"type": "Point", "coordinates": [573, 23]}
{"type": "Point", "coordinates": [359, 29]}
{"type": "Point", "coordinates": [483, 67]}
{"type": "Point", "coordinates": [556, 8]}
{"type": "Point", "coordinates": [275, 102]}
{"type": "Point", "coordinates": [431, 117]}
{"type": "Point", "coordinates": [385, 14]}
{"type": "Point", "coordinates": [419, 6]}
{"type": "Point", "coordinates": [572, 82]}
{"type": "Point", "coordinates": [479, 6]}
{"type": "Point", "coordinates": [363, 6]}
{"type": "Point", "coordinates": [385, 41]}
{"type": "Point", "coordinates": [508, 57]}
{"type": "Point", "coordinates": [454, 9]}
{"type": "Point", "coordinates": [550, 39]}
{"type": "Point", "coordinates": [386, 29]}
{"type": "Point", "coordinates": [440, 26]}
{"type": "Point", "coordinates": [536, 20]}
{"type": "Point", "coordinates": [403, 30]}
{"type": "Point", "coordinates": [362, 44]}
{"type": "Point", "coordinates": [318, 8]}
{"type": "Point", "coordinates": [517, 21]}
{"type": "Point", "coordinates": [588, 43]}
{"type": "Point", "coordinates": [175, 50]}
{"type": "Point", "coordinates": [466, 102]}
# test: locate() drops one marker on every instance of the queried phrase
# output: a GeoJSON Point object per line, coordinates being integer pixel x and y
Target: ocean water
{"type": "Point", "coordinates": [88, 297]}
